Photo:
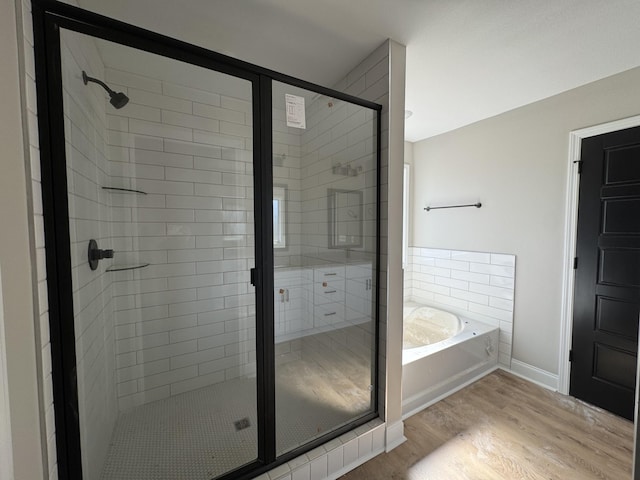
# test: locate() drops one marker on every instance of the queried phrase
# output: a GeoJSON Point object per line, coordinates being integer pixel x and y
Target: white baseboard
{"type": "Point", "coordinates": [536, 375]}
{"type": "Point", "coordinates": [394, 436]}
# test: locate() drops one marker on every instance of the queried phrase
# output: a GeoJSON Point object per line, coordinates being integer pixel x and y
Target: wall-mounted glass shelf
{"type": "Point", "coordinates": [122, 268]}
{"type": "Point", "coordinates": [124, 190]}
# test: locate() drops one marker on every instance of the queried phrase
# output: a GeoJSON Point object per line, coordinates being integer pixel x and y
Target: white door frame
{"type": "Point", "coordinates": [570, 234]}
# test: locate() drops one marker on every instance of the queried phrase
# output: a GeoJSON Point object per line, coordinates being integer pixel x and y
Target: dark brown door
{"type": "Point", "coordinates": [607, 288]}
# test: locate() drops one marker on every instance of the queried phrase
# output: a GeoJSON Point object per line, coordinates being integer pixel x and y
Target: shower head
{"type": "Point", "coordinates": [118, 99]}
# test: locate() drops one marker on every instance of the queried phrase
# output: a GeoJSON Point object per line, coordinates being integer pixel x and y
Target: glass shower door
{"type": "Point", "coordinates": [161, 220]}
{"type": "Point", "coordinates": [324, 200]}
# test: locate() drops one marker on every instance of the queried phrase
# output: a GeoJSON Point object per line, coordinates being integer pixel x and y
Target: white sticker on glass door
{"type": "Point", "coordinates": [295, 111]}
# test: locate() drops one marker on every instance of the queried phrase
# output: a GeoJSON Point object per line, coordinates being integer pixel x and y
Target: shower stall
{"type": "Point", "coordinates": [212, 234]}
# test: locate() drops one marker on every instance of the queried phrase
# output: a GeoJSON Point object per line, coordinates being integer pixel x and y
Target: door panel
{"type": "Point", "coordinates": [620, 267]}
{"type": "Point", "coordinates": [612, 365]}
{"type": "Point", "coordinates": [622, 165]}
{"type": "Point", "coordinates": [607, 295]}
{"type": "Point", "coordinates": [325, 362]}
{"type": "Point", "coordinates": [618, 317]}
{"type": "Point", "coordinates": [165, 324]}
{"type": "Point", "coordinates": [617, 218]}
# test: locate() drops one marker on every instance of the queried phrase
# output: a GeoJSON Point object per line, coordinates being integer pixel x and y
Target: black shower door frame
{"type": "Point", "coordinates": [48, 17]}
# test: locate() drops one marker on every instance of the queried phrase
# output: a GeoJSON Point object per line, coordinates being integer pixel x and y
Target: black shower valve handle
{"type": "Point", "coordinates": [96, 254]}
{"type": "Point", "coordinates": [99, 254]}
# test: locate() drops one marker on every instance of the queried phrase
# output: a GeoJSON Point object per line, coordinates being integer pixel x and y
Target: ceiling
{"type": "Point", "coordinates": [466, 59]}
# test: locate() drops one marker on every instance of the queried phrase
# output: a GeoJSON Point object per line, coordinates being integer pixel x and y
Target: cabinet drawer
{"type": "Point", "coordinates": [328, 314]}
{"type": "Point", "coordinates": [331, 291]}
{"type": "Point", "coordinates": [327, 273]}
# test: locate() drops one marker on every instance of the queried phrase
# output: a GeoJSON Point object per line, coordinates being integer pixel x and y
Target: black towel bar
{"type": "Point", "coordinates": [477, 205]}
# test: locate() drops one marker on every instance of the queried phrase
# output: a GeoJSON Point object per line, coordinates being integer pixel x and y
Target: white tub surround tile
{"type": "Point", "coordinates": [479, 285]}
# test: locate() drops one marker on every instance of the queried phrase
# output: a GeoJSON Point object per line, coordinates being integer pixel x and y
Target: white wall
{"type": "Point", "coordinates": [16, 257]}
{"type": "Point", "coordinates": [6, 449]}
{"type": "Point", "coordinates": [408, 160]}
{"type": "Point", "coordinates": [392, 187]}
{"type": "Point", "coordinates": [516, 164]}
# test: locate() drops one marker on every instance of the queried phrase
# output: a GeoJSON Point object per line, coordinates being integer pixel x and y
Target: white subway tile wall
{"type": "Point", "coordinates": [476, 284]}
{"type": "Point", "coordinates": [339, 135]}
{"type": "Point", "coordinates": [370, 80]}
{"type": "Point", "coordinates": [187, 320]}
{"type": "Point", "coordinates": [348, 142]}
{"type": "Point", "coordinates": [287, 173]}
{"type": "Point", "coordinates": [90, 217]}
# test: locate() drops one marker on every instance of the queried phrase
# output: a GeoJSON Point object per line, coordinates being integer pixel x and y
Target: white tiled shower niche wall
{"type": "Point", "coordinates": [478, 285]}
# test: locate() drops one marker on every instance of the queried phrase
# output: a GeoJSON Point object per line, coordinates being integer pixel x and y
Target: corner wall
{"type": "Point", "coordinates": [372, 80]}
{"type": "Point", "coordinates": [516, 164]}
{"type": "Point", "coordinates": [17, 261]}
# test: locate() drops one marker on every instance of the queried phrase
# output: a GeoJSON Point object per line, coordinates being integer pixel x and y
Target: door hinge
{"type": "Point", "coordinates": [255, 278]}
{"type": "Point", "coordinates": [575, 263]}
{"type": "Point", "coordinates": [579, 162]}
{"type": "Point", "coordinates": [571, 355]}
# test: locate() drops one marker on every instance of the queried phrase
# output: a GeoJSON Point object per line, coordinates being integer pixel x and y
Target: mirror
{"type": "Point", "coordinates": [345, 218]}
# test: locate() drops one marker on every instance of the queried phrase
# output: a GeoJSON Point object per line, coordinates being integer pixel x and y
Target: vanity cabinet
{"type": "Point", "coordinates": [292, 313]}
{"type": "Point", "coordinates": [359, 293]}
{"type": "Point", "coordinates": [309, 300]}
{"type": "Point", "coordinates": [328, 296]}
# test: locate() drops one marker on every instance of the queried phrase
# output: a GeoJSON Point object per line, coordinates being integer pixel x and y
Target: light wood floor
{"type": "Point", "coordinates": [503, 427]}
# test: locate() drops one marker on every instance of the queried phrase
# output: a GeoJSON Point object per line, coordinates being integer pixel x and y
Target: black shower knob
{"type": "Point", "coordinates": [95, 254]}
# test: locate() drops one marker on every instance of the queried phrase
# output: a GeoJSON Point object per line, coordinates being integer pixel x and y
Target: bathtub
{"type": "Point", "coordinates": [451, 352]}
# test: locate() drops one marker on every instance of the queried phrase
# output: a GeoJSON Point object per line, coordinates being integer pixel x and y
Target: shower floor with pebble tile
{"type": "Point", "coordinates": [202, 434]}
